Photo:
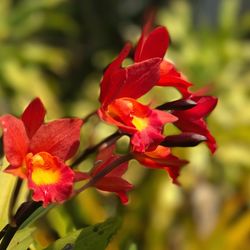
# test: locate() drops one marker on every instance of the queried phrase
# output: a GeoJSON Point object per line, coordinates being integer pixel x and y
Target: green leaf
{"type": "Point", "coordinates": [8, 182]}
{"type": "Point", "coordinates": [22, 239]}
{"type": "Point", "coordinates": [65, 242]}
{"type": "Point", "coordinates": [98, 236]}
{"type": "Point", "coordinates": [94, 237]}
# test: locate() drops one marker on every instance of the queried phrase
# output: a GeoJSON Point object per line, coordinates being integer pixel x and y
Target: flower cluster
{"type": "Point", "coordinates": [37, 151]}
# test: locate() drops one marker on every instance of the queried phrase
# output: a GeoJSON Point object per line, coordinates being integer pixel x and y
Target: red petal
{"type": "Point", "coordinates": [81, 176]}
{"type": "Point", "coordinates": [133, 81]}
{"type": "Point", "coordinates": [152, 45]}
{"type": "Point", "coordinates": [15, 139]}
{"type": "Point", "coordinates": [33, 116]}
{"type": "Point", "coordinates": [17, 171]}
{"type": "Point", "coordinates": [59, 138]}
{"type": "Point", "coordinates": [161, 158]}
{"type": "Point", "coordinates": [169, 76]}
{"type": "Point", "coordinates": [49, 178]}
{"type": "Point", "coordinates": [115, 65]}
{"type": "Point", "coordinates": [205, 105]}
{"type": "Point", "coordinates": [106, 156]}
{"type": "Point", "coordinates": [146, 140]}
{"type": "Point", "coordinates": [199, 127]}
{"type": "Point", "coordinates": [116, 185]}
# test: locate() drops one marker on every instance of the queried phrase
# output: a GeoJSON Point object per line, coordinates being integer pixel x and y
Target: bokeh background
{"type": "Point", "coordinates": [58, 49]}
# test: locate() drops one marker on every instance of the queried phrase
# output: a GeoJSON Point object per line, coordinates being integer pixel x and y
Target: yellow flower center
{"type": "Point", "coordinates": [140, 123]}
{"type": "Point", "coordinates": [44, 169]}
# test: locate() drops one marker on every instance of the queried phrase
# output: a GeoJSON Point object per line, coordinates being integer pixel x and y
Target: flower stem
{"type": "Point", "coordinates": [85, 119]}
{"type": "Point", "coordinates": [14, 198]}
{"type": "Point", "coordinates": [24, 211]}
{"type": "Point", "coordinates": [105, 171]}
{"type": "Point", "coordinates": [109, 140]}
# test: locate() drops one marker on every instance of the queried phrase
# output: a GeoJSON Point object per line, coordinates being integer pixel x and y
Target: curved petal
{"type": "Point", "coordinates": [20, 171]}
{"type": "Point", "coordinates": [59, 138]}
{"type": "Point", "coordinates": [133, 81]}
{"type": "Point", "coordinates": [169, 76]}
{"type": "Point", "coordinates": [106, 83]}
{"type": "Point", "coordinates": [116, 185]}
{"type": "Point", "coordinates": [161, 158]}
{"type": "Point", "coordinates": [33, 116]}
{"type": "Point", "coordinates": [197, 126]}
{"type": "Point", "coordinates": [15, 139]}
{"type": "Point", "coordinates": [49, 178]}
{"type": "Point", "coordinates": [153, 44]}
{"type": "Point", "coordinates": [205, 105]}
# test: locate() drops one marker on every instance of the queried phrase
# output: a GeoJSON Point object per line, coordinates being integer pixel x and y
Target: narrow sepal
{"type": "Point", "coordinates": [183, 140]}
{"type": "Point", "coordinates": [15, 139]}
{"type": "Point", "coordinates": [182, 104]}
{"type": "Point", "coordinates": [33, 116]}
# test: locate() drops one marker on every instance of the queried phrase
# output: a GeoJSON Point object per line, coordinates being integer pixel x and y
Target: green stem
{"type": "Point", "coordinates": [85, 119]}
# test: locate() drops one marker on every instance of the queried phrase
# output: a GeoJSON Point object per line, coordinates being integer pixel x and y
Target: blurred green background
{"type": "Point", "coordinates": [58, 49]}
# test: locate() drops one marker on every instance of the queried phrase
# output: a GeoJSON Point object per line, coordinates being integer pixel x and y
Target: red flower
{"type": "Point", "coordinates": [161, 158]}
{"type": "Point", "coordinates": [37, 151]}
{"type": "Point", "coordinates": [192, 120]}
{"type": "Point", "coordinates": [154, 43]}
{"type": "Point", "coordinates": [144, 124]}
{"type": "Point", "coordinates": [132, 81]}
{"type": "Point", "coordinates": [113, 181]}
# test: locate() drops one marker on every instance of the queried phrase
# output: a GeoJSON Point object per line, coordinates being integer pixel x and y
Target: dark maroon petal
{"type": "Point", "coordinates": [183, 140]}
{"type": "Point", "coordinates": [199, 127]}
{"type": "Point", "coordinates": [59, 138]}
{"type": "Point", "coordinates": [33, 116]}
{"type": "Point", "coordinates": [181, 104]}
{"type": "Point", "coordinates": [15, 139]}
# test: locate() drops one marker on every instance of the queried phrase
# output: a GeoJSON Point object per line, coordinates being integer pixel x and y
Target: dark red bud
{"type": "Point", "coordinates": [182, 104]}
{"type": "Point", "coordinates": [183, 140]}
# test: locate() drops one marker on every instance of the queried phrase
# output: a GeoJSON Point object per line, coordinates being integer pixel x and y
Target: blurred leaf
{"type": "Point", "coordinates": [98, 236]}
{"type": "Point", "coordinates": [60, 220]}
{"type": "Point", "coordinates": [22, 239]}
{"type": "Point", "coordinates": [36, 215]}
{"type": "Point", "coordinates": [65, 242]}
{"type": "Point", "coordinates": [8, 182]}
{"type": "Point", "coordinates": [94, 237]}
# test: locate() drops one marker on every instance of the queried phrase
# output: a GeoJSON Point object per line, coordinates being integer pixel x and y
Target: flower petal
{"type": "Point", "coordinates": [161, 158]}
{"type": "Point", "coordinates": [106, 156]}
{"type": "Point", "coordinates": [113, 67]}
{"type": "Point", "coordinates": [133, 81]}
{"type": "Point", "coordinates": [33, 116]}
{"type": "Point", "coordinates": [59, 138]}
{"type": "Point", "coordinates": [49, 178]}
{"type": "Point", "coordinates": [169, 76]}
{"type": "Point", "coordinates": [205, 105]}
{"type": "Point", "coordinates": [199, 127]}
{"type": "Point", "coordinates": [116, 185]}
{"type": "Point", "coordinates": [17, 171]}
{"type": "Point", "coordinates": [15, 139]}
{"type": "Point", "coordinates": [153, 44]}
